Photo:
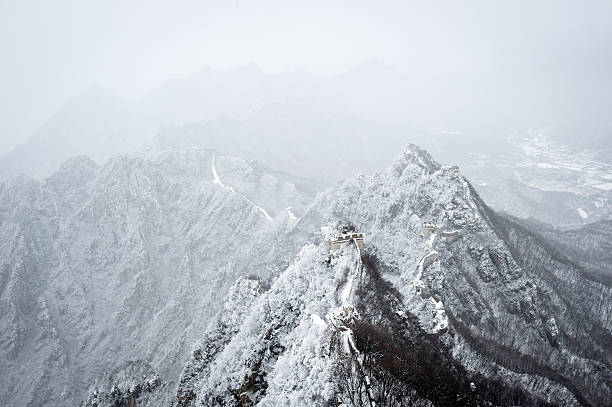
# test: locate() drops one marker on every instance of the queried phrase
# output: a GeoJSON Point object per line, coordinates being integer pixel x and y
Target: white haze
{"type": "Point", "coordinates": [166, 171]}
{"type": "Point", "coordinates": [477, 64]}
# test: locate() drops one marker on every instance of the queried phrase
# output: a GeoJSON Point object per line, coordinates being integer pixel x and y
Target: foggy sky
{"type": "Point", "coordinates": [54, 49]}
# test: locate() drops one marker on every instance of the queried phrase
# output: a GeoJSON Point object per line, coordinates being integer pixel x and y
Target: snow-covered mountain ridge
{"type": "Point", "coordinates": [126, 262]}
{"type": "Point", "coordinates": [525, 324]}
{"type": "Point", "coordinates": [165, 261]}
{"type": "Point", "coordinates": [528, 174]}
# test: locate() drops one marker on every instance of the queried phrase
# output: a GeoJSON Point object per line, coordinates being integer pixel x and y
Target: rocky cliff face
{"type": "Point", "coordinates": [125, 262]}
{"type": "Point", "coordinates": [503, 310]}
{"type": "Point", "coordinates": [131, 384]}
{"type": "Point", "coordinates": [185, 260]}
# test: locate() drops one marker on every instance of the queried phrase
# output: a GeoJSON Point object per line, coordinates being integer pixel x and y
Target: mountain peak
{"type": "Point", "coordinates": [414, 155]}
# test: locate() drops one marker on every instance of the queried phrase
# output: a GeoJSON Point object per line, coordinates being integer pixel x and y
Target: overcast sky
{"type": "Point", "coordinates": [54, 49]}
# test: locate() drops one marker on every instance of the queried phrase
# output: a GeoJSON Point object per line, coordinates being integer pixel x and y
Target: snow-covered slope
{"type": "Point", "coordinates": [173, 260]}
{"type": "Point", "coordinates": [499, 284]}
{"type": "Point", "coordinates": [125, 262]}
{"type": "Point", "coordinates": [486, 300]}
{"type": "Point", "coordinates": [273, 190]}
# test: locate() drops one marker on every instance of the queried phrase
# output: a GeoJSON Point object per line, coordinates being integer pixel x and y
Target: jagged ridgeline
{"type": "Point", "coordinates": [408, 366]}
{"type": "Point", "coordinates": [193, 279]}
{"type": "Point", "coordinates": [448, 304]}
{"type": "Point", "coordinates": [378, 355]}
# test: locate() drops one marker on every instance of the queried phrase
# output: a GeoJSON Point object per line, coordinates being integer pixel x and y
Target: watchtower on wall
{"type": "Point", "coordinates": [343, 235]}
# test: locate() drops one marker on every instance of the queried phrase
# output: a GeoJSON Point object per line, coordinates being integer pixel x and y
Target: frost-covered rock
{"type": "Point", "coordinates": [127, 261]}
{"type": "Point", "coordinates": [226, 324]}
{"type": "Point", "coordinates": [142, 259]}
{"type": "Point", "coordinates": [134, 383]}
{"type": "Point", "coordinates": [279, 352]}
{"type": "Point", "coordinates": [489, 293]}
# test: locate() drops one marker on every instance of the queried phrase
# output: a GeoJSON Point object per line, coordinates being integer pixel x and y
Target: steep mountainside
{"type": "Point", "coordinates": [111, 274]}
{"type": "Point", "coordinates": [486, 310]}
{"type": "Point", "coordinates": [589, 245]}
{"type": "Point", "coordinates": [127, 262]}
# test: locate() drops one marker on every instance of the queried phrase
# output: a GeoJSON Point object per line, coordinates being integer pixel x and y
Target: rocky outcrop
{"type": "Point", "coordinates": [127, 261]}
{"type": "Point", "coordinates": [141, 258]}
{"type": "Point", "coordinates": [224, 326]}
{"type": "Point", "coordinates": [521, 319]}
{"type": "Point", "coordinates": [134, 383]}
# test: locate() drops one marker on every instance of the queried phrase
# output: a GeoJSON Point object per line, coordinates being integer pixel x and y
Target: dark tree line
{"type": "Point", "coordinates": [407, 366]}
